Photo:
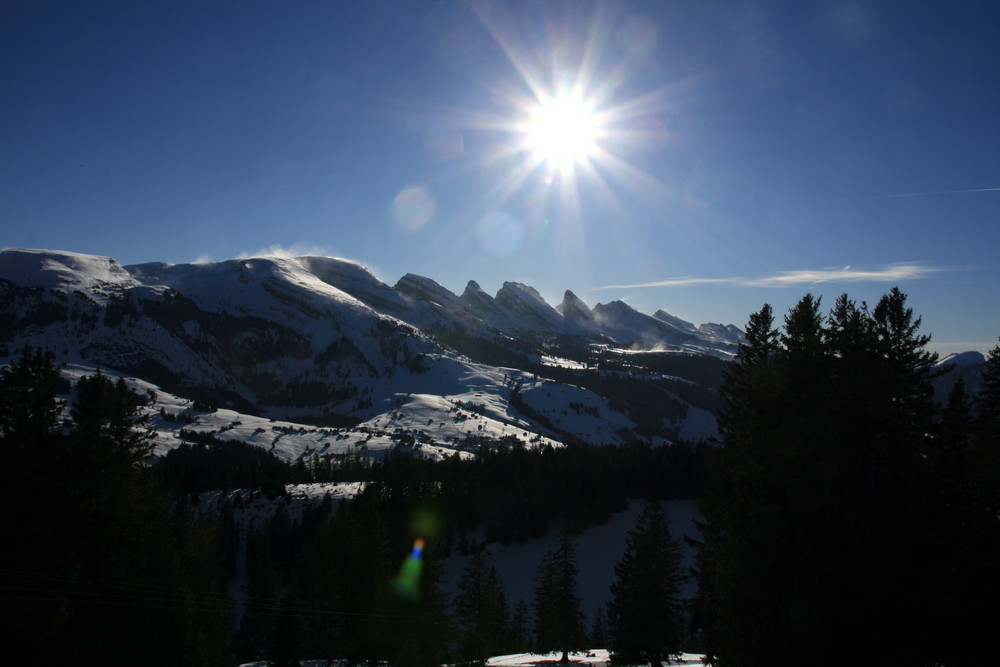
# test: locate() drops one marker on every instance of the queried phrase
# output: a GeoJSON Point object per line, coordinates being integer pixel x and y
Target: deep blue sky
{"type": "Point", "coordinates": [752, 151]}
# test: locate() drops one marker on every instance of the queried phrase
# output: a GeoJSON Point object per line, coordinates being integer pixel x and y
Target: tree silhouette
{"type": "Point", "coordinates": [645, 614]}
{"type": "Point", "coordinates": [559, 621]}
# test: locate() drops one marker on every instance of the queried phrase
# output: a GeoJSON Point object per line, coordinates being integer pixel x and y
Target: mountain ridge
{"type": "Point", "coordinates": [322, 341]}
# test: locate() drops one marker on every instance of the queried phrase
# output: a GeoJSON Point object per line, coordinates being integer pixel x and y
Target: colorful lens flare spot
{"type": "Point", "coordinates": [407, 584]}
{"type": "Point", "coordinates": [413, 208]}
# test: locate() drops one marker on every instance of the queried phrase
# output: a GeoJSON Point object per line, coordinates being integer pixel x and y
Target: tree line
{"type": "Point", "coordinates": [511, 490]}
{"type": "Point", "coordinates": [847, 511]}
{"type": "Point", "coordinates": [95, 567]}
{"type": "Point", "coordinates": [112, 567]}
{"type": "Point", "coordinates": [349, 595]}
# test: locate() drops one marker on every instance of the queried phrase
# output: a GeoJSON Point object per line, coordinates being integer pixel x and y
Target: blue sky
{"type": "Point", "coordinates": [739, 152]}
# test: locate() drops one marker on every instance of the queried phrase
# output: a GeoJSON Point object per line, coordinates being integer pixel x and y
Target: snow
{"type": "Point", "coordinates": [971, 358]}
{"type": "Point", "coordinates": [576, 410]}
{"type": "Point", "coordinates": [319, 302]}
{"type": "Point", "coordinates": [68, 271]}
{"type": "Point", "coordinates": [699, 424]}
{"type": "Point", "coordinates": [597, 656]}
{"type": "Point", "coordinates": [599, 548]}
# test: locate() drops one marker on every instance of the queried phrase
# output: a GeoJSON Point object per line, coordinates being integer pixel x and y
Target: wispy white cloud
{"type": "Point", "coordinates": [672, 282]}
{"type": "Point", "coordinates": [802, 277]}
{"type": "Point", "coordinates": [916, 194]}
{"type": "Point", "coordinates": [848, 274]}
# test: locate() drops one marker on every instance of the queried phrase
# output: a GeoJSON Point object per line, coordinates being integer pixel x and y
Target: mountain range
{"type": "Point", "coordinates": [314, 355]}
{"type": "Point", "coordinates": [321, 342]}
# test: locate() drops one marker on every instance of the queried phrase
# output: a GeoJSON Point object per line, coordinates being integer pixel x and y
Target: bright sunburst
{"type": "Point", "coordinates": [562, 131]}
{"type": "Point", "coordinates": [560, 138]}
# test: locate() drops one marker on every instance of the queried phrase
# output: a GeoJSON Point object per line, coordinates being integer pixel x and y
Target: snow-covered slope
{"type": "Point", "coordinates": [65, 271]}
{"type": "Point", "coordinates": [631, 328]}
{"type": "Point", "coordinates": [322, 340]}
{"type": "Point", "coordinates": [524, 309]}
{"type": "Point", "coordinates": [964, 366]}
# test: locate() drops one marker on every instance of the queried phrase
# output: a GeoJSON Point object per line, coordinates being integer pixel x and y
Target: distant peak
{"type": "Point", "coordinates": [424, 289]}
{"type": "Point", "coordinates": [573, 305]}
{"type": "Point", "coordinates": [617, 305]}
{"type": "Point", "coordinates": [473, 288]}
{"type": "Point", "coordinates": [520, 289]}
{"type": "Point", "coordinates": [673, 320]}
{"type": "Point", "coordinates": [970, 358]}
{"type": "Point", "coordinates": [60, 268]}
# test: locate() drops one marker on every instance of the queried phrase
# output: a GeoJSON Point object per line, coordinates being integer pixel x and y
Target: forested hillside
{"type": "Point", "coordinates": [841, 501]}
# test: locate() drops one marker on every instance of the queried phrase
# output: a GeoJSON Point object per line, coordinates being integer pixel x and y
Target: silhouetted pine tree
{"type": "Point", "coordinates": [645, 614]}
{"type": "Point", "coordinates": [559, 621]}
{"type": "Point", "coordinates": [102, 574]}
{"type": "Point", "coordinates": [982, 605]}
{"type": "Point", "coordinates": [520, 628]}
{"type": "Point", "coordinates": [821, 518]}
{"type": "Point", "coordinates": [599, 630]}
{"type": "Point", "coordinates": [481, 611]}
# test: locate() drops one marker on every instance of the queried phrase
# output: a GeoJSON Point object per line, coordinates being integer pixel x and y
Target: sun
{"type": "Point", "coordinates": [562, 131]}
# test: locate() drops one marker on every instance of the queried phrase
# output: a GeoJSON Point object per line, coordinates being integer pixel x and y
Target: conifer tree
{"type": "Point", "coordinates": [599, 630]}
{"type": "Point", "coordinates": [981, 607]}
{"type": "Point", "coordinates": [104, 573]}
{"type": "Point", "coordinates": [645, 614]}
{"type": "Point", "coordinates": [821, 511]}
{"type": "Point", "coordinates": [520, 628]}
{"type": "Point", "coordinates": [559, 621]}
{"type": "Point", "coordinates": [481, 610]}
{"type": "Point", "coordinates": [987, 400]}
{"type": "Point", "coordinates": [29, 407]}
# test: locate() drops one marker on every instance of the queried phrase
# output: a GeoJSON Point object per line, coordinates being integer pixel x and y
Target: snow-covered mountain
{"type": "Point", "coordinates": [964, 366]}
{"type": "Point", "coordinates": [322, 341]}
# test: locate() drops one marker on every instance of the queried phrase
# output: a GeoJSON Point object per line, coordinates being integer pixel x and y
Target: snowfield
{"type": "Point", "coordinates": [598, 657]}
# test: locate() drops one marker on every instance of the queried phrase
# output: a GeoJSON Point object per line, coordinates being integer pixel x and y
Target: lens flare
{"type": "Point", "coordinates": [418, 548]}
{"type": "Point", "coordinates": [413, 208]}
{"type": "Point", "coordinates": [407, 584]}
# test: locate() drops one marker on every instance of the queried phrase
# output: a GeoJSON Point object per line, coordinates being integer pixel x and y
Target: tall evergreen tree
{"type": "Point", "coordinates": [481, 610]}
{"type": "Point", "coordinates": [645, 614]}
{"type": "Point", "coordinates": [987, 401]}
{"type": "Point", "coordinates": [982, 605]}
{"type": "Point", "coordinates": [559, 620]}
{"type": "Point", "coordinates": [599, 630]}
{"type": "Point", "coordinates": [520, 628]}
{"type": "Point", "coordinates": [820, 510]}
{"type": "Point", "coordinates": [103, 573]}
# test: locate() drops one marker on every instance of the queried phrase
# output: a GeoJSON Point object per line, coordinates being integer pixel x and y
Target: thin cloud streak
{"type": "Point", "coordinates": [914, 194]}
{"type": "Point", "coordinates": [848, 274]}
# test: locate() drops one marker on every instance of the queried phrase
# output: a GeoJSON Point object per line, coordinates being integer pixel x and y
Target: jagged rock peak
{"type": "Point", "coordinates": [572, 305]}
{"type": "Point", "coordinates": [520, 292]}
{"type": "Point", "coordinates": [472, 288]}
{"type": "Point", "coordinates": [614, 307]}
{"type": "Point", "coordinates": [674, 321]}
{"type": "Point", "coordinates": [334, 270]}
{"type": "Point", "coordinates": [424, 289]}
{"type": "Point", "coordinates": [478, 300]}
{"type": "Point", "coordinates": [726, 333]}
